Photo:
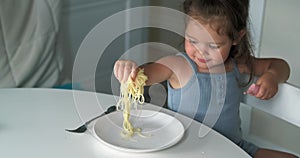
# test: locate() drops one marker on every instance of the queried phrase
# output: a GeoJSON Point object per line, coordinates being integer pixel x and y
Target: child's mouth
{"type": "Point", "coordinates": [202, 60]}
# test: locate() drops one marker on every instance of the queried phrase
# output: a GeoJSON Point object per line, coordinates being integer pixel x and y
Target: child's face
{"type": "Point", "coordinates": [205, 46]}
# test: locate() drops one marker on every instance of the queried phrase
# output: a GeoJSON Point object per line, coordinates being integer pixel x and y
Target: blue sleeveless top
{"type": "Point", "coordinates": [212, 99]}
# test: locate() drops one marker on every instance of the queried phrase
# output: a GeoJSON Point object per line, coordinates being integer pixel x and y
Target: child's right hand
{"type": "Point", "coordinates": [124, 69]}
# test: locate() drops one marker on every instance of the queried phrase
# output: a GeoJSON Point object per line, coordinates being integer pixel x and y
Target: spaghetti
{"type": "Point", "coordinates": [131, 94]}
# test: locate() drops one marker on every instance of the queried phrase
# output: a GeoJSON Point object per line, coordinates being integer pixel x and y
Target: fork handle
{"type": "Point", "coordinates": [109, 110]}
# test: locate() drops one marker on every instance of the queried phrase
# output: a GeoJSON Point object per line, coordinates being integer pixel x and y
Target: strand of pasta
{"type": "Point", "coordinates": [131, 94]}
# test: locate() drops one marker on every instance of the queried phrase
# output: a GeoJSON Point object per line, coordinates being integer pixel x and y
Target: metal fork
{"type": "Point", "coordinates": [83, 127]}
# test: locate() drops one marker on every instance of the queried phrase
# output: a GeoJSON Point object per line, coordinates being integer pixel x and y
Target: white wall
{"type": "Point", "coordinates": [79, 17]}
{"type": "Point", "coordinates": [280, 34]}
{"type": "Point", "coordinates": [256, 17]}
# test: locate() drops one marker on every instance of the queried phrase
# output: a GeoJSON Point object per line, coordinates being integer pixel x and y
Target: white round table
{"type": "Point", "coordinates": [33, 123]}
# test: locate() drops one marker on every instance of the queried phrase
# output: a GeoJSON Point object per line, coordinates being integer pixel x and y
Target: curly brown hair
{"type": "Point", "coordinates": [233, 14]}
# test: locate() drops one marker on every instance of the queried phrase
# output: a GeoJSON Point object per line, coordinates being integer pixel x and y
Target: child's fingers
{"type": "Point", "coordinates": [117, 70]}
{"type": "Point", "coordinates": [270, 93]}
{"type": "Point", "coordinates": [123, 69]}
{"type": "Point", "coordinates": [134, 72]}
{"type": "Point", "coordinates": [260, 94]}
{"type": "Point", "coordinates": [126, 74]}
{"type": "Point", "coordinates": [264, 94]}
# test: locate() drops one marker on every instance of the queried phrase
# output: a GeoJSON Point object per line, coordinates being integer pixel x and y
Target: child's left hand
{"type": "Point", "coordinates": [265, 88]}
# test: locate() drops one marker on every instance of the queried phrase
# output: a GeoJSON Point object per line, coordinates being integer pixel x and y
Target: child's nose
{"type": "Point", "coordinates": [202, 49]}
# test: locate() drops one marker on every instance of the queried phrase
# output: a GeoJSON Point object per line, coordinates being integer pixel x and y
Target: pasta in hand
{"type": "Point", "coordinates": [131, 94]}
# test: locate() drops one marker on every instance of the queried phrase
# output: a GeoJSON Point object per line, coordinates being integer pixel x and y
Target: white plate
{"type": "Point", "coordinates": [162, 131]}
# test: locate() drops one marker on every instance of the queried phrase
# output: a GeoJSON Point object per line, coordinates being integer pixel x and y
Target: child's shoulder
{"type": "Point", "coordinates": [180, 67]}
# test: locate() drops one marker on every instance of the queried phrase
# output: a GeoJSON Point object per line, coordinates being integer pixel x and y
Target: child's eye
{"type": "Point", "coordinates": [214, 46]}
{"type": "Point", "coordinates": [192, 41]}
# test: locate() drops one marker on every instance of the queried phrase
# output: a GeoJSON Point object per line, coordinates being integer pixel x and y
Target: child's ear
{"type": "Point", "coordinates": [240, 35]}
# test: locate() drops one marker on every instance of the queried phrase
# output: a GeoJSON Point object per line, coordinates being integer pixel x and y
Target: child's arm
{"type": "Point", "coordinates": [271, 72]}
{"type": "Point", "coordinates": [156, 72]}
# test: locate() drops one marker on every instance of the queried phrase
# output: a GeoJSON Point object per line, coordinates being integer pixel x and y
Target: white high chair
{"type": "Point", "coordinates": [273, 123]}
